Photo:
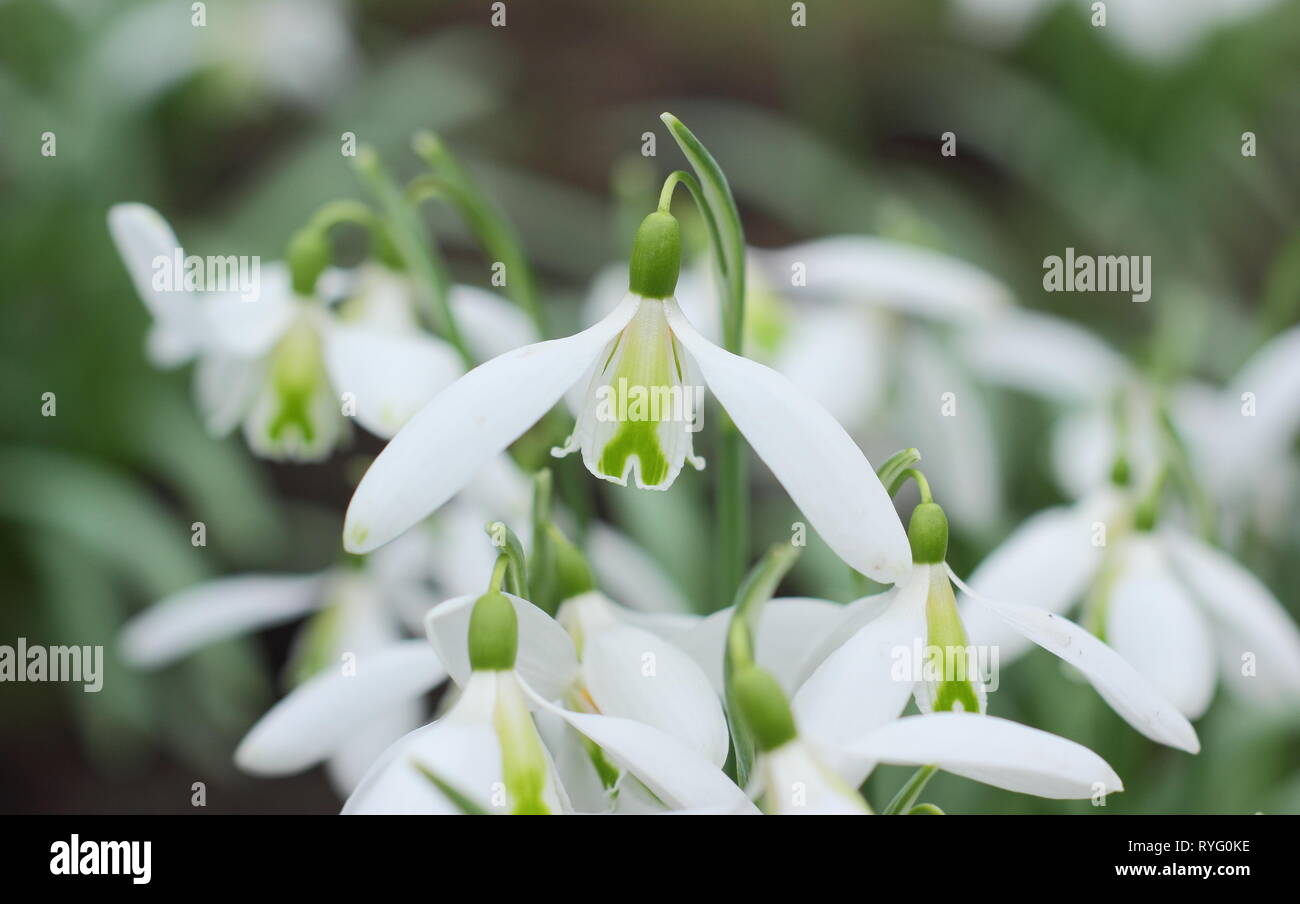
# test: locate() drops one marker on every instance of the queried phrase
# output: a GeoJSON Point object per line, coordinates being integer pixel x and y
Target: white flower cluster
{"type": "Point", "coordinates": [579, 681]}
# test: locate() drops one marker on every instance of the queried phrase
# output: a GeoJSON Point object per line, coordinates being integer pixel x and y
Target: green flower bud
{"type": "Point", "coordinates": [572, 573]}
{"type": "Point", "coordinates": [928, 534]}
{"type": "Point", "coordinates": [308, 256]}
{"type": "Point", "coordinates": [493, 634]}
{"type": "Point", "coordinates": [656, 256]}
{"type": "Point", "coordinates": [763, 707]}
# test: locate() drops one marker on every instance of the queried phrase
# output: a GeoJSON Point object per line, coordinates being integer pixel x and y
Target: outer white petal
{"type": "Point", "coordinates": [218, 609]}
{"type": "Point", "coordinates": [993, 751]}
{"type": "Point", "coordinates": [490, 324]}
{"type": "Point", "coordinates": [142, 236]}
{"type": "Point", "coordinates": [629, 574]}
{"type": "Point", "coordinates": [868, 679]}
{"type": "Point", "coordinates": [251, 327]}
{"type": "Point", "coordinates": [825, 473]}
{"type": "Point", "coordinates": [225, 386]}
{"type": "Point", "coordinates": [632, 673]}
{"type": "Point", "coordinates": [348, 765]}
{"type": "Point", "coordinates": [1152, 622]}
{"type": "Point", "coordinates": [1135, 698]}
{"type": "Point", "coordinates": [946, 414]}
{"type": "Point", "coordinates": [319, 717]}
{"type": "Point", "coordinates": [461, 748]}
{"type": "Point", "coordinates": [1045, 356]}
{"type": "Point", "coordinates": [838, 357]}
{"type": "Point", "coordinates": [677, 775]}
{"type": "Point", "coordinates": [795, 782]}
{"type": "Point", "coordinates": [468, 423]}
{"type": "Point", "coordinates": [1048, 561]}
{"type": "Point", "coordinates": [391, 375]}
{"type": "Point", "coordinates": [897, 275]}
{"type": "Point", "coordinates": [1253, 617]}
{"type": "Point", "coordinates": [790, 630]}
{"type": "Point", "coordinates": [546, 659]}
{"type": "Point", "coordinates": [1272, 380]}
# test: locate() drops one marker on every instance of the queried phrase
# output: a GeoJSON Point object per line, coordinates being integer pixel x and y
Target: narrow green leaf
{"type": "Point", "coordinates": [458, 798]}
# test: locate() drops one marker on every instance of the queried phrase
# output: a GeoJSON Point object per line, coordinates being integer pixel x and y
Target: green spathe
{"type": "Point", "coordinates": [764, 708]}
{"type": "Point", "coordinates": [493, 634]}
{"type": "Point", "coordinates": [928, 534]}
{"type": "Point", "coordinates": [656, 256]}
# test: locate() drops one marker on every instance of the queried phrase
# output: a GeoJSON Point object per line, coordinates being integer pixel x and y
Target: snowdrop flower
{"type": "Point", "coordinates": [485, 753]}
{"type": "Point", "coordinates": [599, 660]}
{"type": "Point", "coordinates": [840, 316]}
{"type": "Point", "coordinates": [1166, 601]}
{"type": "Point", "coordinates": [287, 366]}
{"type": "Point", "coordinates": [1111, 412]}
{"type": "Point", "coordinates": [644, 350]}
{"type": "Point", "coordinates": [1158, 30]}
{"type": "Point", "coordinates": [352, 614]}
{"type": "Point", "coordinates": [801, 771]}
{"type": "Point", "coordinates": [507, 656]}
{"type": "Point", "coordinates": [869, 658]}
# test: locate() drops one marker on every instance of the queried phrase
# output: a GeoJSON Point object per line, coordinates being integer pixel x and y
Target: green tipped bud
{"type": "Point", "coordinates": [493, 634]}
{"type": "Point", "coordinates": [1120, 472]}
{"type": "Point", "coordinates": [763, 708]}
{"type": "Point", "coordinates": [928, 534]}
{"type": "Point", "coordinates": [572, 573]}
{"type": "Point", "coordinates": [656, 256]}
{"type": "Point", "coordinates": [308, 256]}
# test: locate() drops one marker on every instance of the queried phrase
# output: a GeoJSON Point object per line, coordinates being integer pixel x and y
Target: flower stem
{"type": "Point", "coordinates": [713, 196]}
{"type": "Point", "coordinates": [494, 231]}
{"type": "Point", "coordinates": [413, 245]}
{"type": "Point", "coordinates": [906, 797]}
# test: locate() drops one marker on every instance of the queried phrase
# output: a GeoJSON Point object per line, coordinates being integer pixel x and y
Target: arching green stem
{"type": "Point", "coordinates": [490, 226]}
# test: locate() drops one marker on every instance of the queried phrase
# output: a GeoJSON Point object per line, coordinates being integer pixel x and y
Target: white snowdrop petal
{"type": "Point", "coordinates": [825, 473]}
{"type": "Point", "coordinates": [470, 422]}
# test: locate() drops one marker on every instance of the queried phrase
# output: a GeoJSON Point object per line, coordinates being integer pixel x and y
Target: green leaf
{"type": "Point", "coordinates": [724, 227]}
{"type": "Point", "coordinates": [905, 799]}
{"type": "Point", "coordinates": [458, 798]}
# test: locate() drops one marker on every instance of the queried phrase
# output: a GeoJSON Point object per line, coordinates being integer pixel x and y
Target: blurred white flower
{"type": "Point", "coordinates": [355, 613]}
{"type": "Point", "coordinates": [299, 51]}
{"type": "Point", "coordinates": [286, 366]}
{"type": "Point", "coordinates": [1175, 607]}
{"type": "Point", "coordinates": [1157, 30]}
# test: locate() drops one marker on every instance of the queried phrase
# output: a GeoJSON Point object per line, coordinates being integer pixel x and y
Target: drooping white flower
{"type": "Point", "coordinates": [1176, 608]}
{"type": "Point", "coordinates": [352, 615]}
{"type": "Point", "coordinates": [646, 343]}
{"type": "Point", "coordinates": [911, 641]}
{"type": "Point", "coordinates": [489, 727]}
{"type": "Point", "coordinates": [485, 752]}
{"type": "Point", "coordinates": [801, 770]}
{"type": "Point", "coordinates": [291, 368]}
{"type": "Point", "coordinates": [862, 324]}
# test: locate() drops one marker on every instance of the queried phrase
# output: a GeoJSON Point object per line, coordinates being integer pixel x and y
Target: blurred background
{"type": "Point", "coordinates": [1122, 139]}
